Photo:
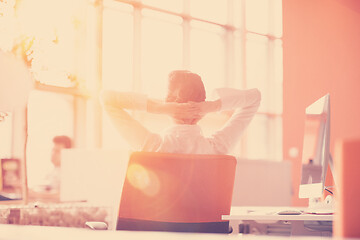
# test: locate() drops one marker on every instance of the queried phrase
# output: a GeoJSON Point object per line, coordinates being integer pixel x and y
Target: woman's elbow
{"type": "Point", "coordinates": [256, 96]}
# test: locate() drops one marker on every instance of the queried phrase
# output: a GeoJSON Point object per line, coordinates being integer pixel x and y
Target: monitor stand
{"type": "Point", "coordinates": [317, 205]}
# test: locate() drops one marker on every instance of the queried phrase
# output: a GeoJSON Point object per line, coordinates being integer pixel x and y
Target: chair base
{"type": "Point", "coordinates": [146, 225]}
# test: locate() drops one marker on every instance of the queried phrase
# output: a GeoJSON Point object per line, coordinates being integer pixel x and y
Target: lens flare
{"type": "Point", "coordinates": [144, 180]}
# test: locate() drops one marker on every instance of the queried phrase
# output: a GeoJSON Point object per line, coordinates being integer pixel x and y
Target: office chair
{"type": "Point", "coordinates": [177, 192]}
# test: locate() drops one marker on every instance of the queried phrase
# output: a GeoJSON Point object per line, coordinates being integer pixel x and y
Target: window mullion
{"type": "Point", "coordinates": [229, 48]}
{"type": "Point", "coordinates": [229, 58]}
{"type": "Point", "coordinates": [243, 145]}
{"type": "Point", "coordinates": [243, 43]}
{"type": "Point", "coordinates": [186, 43]}
{"type": "Point", "coordinates": [137, 50]}
{"type": "Point", "coordinates": [186, 35]}
{"type": "Point", "coordinates": [95, 105]}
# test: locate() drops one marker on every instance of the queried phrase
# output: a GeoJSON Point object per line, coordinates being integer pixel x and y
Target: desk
{"type": "Point", "coordinates": [294, 224]}
{"type": "Point", "coordinates": [17, 232]}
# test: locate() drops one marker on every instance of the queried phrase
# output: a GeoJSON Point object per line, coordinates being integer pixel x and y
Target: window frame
{"type": "Point", "coordinates": [88, 99]}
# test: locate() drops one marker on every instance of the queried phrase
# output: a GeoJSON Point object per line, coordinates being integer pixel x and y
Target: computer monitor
{"type": "Point", "coordinates": [316, 155]}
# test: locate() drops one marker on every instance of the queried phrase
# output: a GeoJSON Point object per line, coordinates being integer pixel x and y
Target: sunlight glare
{"type": "Point", "coordinates": [52, 29]}
{"type": "Point", "coordinates": [142, 179]}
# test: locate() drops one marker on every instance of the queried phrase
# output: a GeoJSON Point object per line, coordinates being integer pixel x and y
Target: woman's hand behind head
{"type": "Point", "coordinates": [184, 113]}
{"type": "Point", "coordinates": [192, 112]}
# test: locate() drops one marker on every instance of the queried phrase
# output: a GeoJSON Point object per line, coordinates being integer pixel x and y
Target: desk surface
{"type": "Point", "coordinates": [18, 232]}
{"type": "Point", "coordinates": [270, 214]}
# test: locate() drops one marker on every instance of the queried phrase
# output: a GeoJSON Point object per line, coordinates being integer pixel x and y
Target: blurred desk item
{"type": "Point", "coordinates": [11, 176]}
{"type": "Point", "coordinates": [267, 221]}
{"type": "Point", "coordinates": [347, 163]}
{"type": "Point", "coordinates": [11, 187]}
{"type": "Point", "coordinates": [50, 214]}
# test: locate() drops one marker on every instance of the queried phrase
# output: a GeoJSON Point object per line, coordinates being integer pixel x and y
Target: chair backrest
{"type": "Point", "coordinates": [177, 188]}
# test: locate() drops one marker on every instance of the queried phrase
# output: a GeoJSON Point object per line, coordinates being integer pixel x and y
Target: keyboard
{"type": "Point", "coordinates": [319, 211]}
{"type": "Point", "coordinates": [290, 212]}
{"type": "Point", "coordinates": [59, 214]}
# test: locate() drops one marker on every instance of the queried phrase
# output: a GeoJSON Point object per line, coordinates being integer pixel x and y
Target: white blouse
{"type": "Point", "coordinates": [183, 138]}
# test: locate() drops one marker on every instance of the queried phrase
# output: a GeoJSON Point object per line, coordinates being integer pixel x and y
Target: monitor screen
{"type": "Point", "coordinates": [315, 155]}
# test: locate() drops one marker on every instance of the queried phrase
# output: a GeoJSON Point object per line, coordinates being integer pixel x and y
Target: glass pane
{"type": "Point", "coordinates": [277, 92]}
{"type": "Point", "coordinates": [239, 61]}
{"type": "Point", "coordinates": [264, 138]}
{"type": "Point", "coordinates": [117, 59]}
{"type": "Point", "coordinates": [257, 145]}
{"type": "Point", "coordinates": [257, 16]}
{"type": "Point", "coordinates": [170, 5]}
{"type": "Point", "coordinates": [275, 141]}
{"type": "Point", "coordinates": [49, 115]}
{"type": "Point", "coordinates": [92, 35]}
{"type": "Point", "coordinates": [238, 10]}
{"type": "Point", "coordinates": [207, 56]}
{"type": "Point", "coordinates": [214, 10]}
{"type": "Point", "coordinates": [117, 64]}
{"type": "Point", "coordinates": [257, 63]}
{"type": "Point", "coordinates": [161, 45]}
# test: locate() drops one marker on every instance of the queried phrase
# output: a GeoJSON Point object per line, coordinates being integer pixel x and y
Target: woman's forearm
{"type": "Point", "coordinates": [124, 100]}
{"type": "Point", "coordinates": [214, 106]}
{"type": "Point", "coordinates": [155, 106]}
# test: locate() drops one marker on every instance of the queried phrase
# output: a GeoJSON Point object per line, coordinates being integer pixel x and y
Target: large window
{"type": "Point", "coordinates": [48, 36]}
{"type": "Point", "coordinates": [130, 45]}
{"type": "Point", "coordinates": [230, 43]}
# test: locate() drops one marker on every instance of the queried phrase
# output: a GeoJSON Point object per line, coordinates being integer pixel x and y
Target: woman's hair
{"type": "Point", "coordinates": [185, 86]}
